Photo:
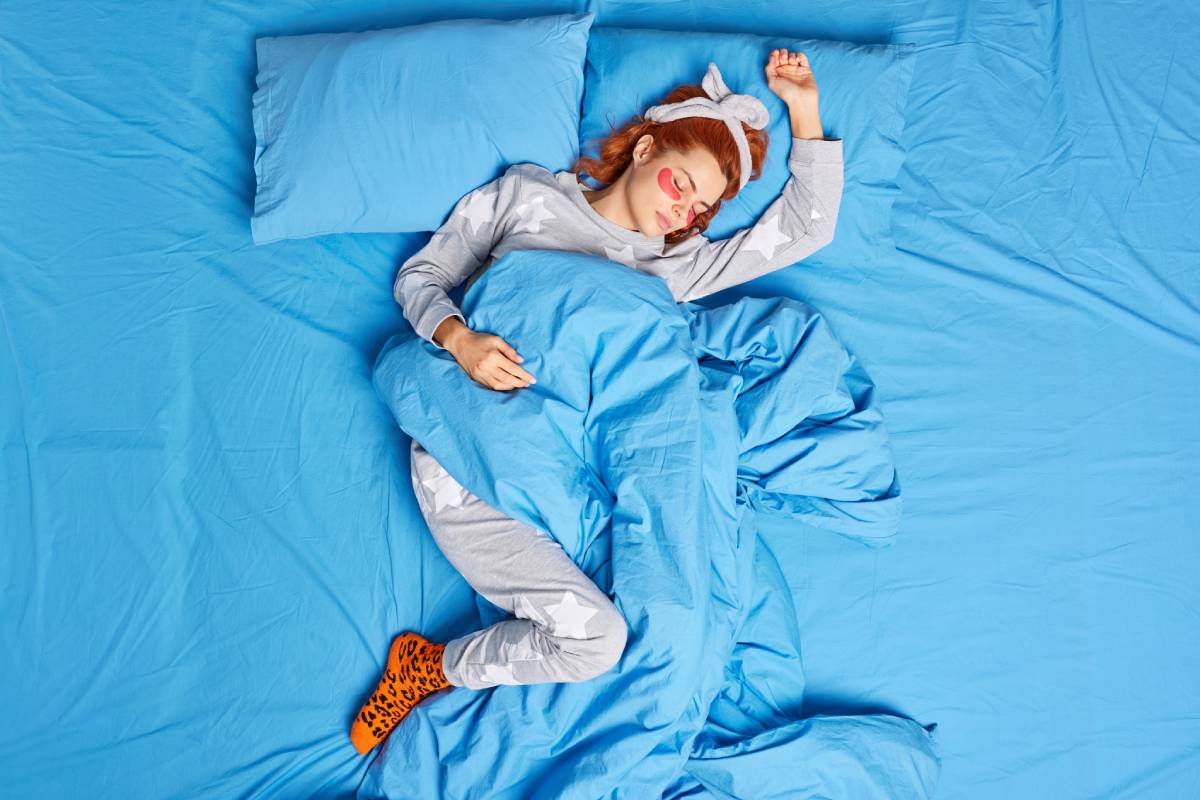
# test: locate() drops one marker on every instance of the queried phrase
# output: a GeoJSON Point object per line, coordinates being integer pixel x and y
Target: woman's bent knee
{"type": "Point", "coordinates": [618, 639]}
{"type": "Point", "coordinates": [605, 650]}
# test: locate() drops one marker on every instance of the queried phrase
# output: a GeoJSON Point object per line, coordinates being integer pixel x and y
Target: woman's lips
{"type": "Point", "coordinates": [663, 221]}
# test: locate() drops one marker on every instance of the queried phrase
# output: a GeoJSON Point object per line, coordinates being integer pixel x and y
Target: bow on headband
{"type": "Point", "coordinates": [732, 109]}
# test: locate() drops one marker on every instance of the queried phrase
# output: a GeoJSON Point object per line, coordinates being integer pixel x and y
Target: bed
{"type": "Point", "coordinates": [209, 534]}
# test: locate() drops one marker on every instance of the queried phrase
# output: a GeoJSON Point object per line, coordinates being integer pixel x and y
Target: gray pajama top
{"type": "Point", "coordinates": [531, 208]}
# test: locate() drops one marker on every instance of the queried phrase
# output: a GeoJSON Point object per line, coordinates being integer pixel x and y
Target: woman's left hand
{"type": "Point", "coordinates": [789, 76]}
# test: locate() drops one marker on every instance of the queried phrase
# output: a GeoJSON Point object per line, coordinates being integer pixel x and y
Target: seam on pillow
{"type": "Point", "coordinates": [262, 132]}
{"type": "Point", "coordinates": [905, 55]}
{"type": "Point", "coordinates": [908, 74]}
{"type": "Point", "coordinates": [901, 66]}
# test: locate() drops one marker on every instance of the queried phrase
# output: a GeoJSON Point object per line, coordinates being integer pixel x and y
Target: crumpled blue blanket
{"type": "Point", "coordinates": [655, 433]}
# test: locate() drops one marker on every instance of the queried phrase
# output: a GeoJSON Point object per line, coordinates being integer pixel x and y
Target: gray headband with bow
{"type": "Point", "coordinates": [732, 109]}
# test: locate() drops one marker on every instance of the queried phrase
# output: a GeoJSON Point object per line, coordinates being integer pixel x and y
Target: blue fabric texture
{"type": "Point", "coordinates": [865, 110]}
{"type": "Point", "coordinates": [654, 435]}
{"type": "Point", "coordinates": [385, 130]}
{"type": "Point", "coordinates": [208, 533]}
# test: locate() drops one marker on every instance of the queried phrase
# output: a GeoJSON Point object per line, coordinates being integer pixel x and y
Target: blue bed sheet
{"type": "Point", "coordinates": [208, 532]}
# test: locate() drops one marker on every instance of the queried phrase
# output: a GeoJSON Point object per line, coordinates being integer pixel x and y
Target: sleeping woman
{"type": "Point", "coordinates": [665, 175]}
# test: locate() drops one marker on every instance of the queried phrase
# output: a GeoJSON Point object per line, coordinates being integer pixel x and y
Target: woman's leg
{"type": "Point", "coordinates": [566, 630]}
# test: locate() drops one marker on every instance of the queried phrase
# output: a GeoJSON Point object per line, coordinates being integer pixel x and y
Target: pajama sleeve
{"type": "Point", "coordinates": [801, 221]}
{"type": "Point", "coordinates": [456, 249]}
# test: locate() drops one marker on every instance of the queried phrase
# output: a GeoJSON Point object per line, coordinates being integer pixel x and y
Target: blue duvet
{"type": "Point", "coordinates": [654, 434]}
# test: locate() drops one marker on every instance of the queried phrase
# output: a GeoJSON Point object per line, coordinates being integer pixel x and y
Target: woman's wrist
{"type": "Point", "coordinates": [448, 331]}
{"type": "Point", "coordinates": [806, 119]}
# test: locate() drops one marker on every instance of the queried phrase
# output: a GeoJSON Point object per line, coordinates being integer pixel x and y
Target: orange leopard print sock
{"type": "Point", "coordinates": [413, 672]}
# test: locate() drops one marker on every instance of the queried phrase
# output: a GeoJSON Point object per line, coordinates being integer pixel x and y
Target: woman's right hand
{"type": "Point", "coordinates": [488, 359]}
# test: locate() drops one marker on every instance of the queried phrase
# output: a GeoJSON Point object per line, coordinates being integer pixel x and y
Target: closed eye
{"type": "Point", "coordinates": [679, 189]}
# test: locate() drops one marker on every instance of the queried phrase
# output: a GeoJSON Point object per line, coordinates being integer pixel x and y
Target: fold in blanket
{"type": "Point", "coordinates": [654, 434]}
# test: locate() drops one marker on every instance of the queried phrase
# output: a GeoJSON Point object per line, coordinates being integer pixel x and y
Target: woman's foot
{"type": "Point", "coordinates": [413, 672]}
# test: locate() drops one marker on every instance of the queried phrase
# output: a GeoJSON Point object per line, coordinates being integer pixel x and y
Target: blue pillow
{"type": "Point", "coordinates": [386, 130]}
{"type": "Point", "coordinates": [862, 90]}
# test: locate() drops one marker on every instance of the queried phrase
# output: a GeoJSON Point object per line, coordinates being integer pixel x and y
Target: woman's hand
{"type": "Point", "coordinates": [789, 76]}
{"type": "Point", "coordinates": [488, 359]}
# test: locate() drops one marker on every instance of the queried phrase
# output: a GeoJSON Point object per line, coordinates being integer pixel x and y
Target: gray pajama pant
{"type": "Point", "coordinates": [566, 629]}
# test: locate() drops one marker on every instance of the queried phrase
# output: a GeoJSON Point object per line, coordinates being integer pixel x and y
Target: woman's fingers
{"type": "Point", "coordinates": [497, 360]}
{"type": "Point", "coordinates": [516, 373]}
{"type": "Point", "coordinates": [499, 379]}
{"type": "Point", "coordinates": [515, 369]}
{"type": "Point", "coordinates": [497, 370]}
{"type": "Point", "coordinates": [783, 57]}
{"type": "Point", "coordinates": [513, 360]}
{"type": "Point", "coordinates": [507, 348]}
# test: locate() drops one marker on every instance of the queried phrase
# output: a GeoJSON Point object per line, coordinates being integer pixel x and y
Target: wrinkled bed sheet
{"type": "Point", "coordinates": [654, 434]}
{"type": "Point", "coordinates": [208, 535]}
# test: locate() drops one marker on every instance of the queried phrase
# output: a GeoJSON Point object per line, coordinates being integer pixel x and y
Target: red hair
{"type": "Point", "coordinates": [680, 135]}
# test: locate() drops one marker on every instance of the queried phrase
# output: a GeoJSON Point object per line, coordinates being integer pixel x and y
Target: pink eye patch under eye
{"type": "Point", "coordinates": [664, 183]}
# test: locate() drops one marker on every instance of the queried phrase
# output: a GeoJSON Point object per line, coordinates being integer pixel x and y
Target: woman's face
{"type": "Point", "coordinates": [667, 190]}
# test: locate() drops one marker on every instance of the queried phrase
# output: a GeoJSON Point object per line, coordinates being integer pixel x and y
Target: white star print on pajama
{"type": "Point", "coordinates": [622, 254]}
{"type": "Point", "coordinates": [537, 214]}
{"type": "Point", "coordinates": [496, 673]}
{"type": "Point", "coordinates": [480, 209]}
{"type": "Point", "coordinates": [766, 237]}
{"type": "Point", "coordinates": [443, 489]}
{"type": "Point", "coordinates": [570, 617]}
